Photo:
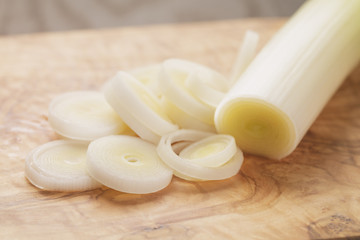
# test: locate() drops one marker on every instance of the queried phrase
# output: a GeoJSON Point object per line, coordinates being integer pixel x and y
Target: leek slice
{"type": "Point", "coordinates": [212, 151]}
{"type": "Point", "coordinates": [192, 170]}
{"type": "Point", "coordinates": [187, 178]}
{"type": "Point", "coordinates": [138, 127]}
{"type": "Point", "coordinates": [149, 76]}
{"type": "Point", "coordinates": [172, 83]}
{"type": "Point", "coordinates": [127, 164]}
{"type": "Point", "coordinates": [129, 97]}
{"type": "Point", "coordinates": [246, 54]}
{"type": "Point", "coordinates": [286, 86]}
{"type": "Point", "coordinates": [207, 91]}
{"type": "Point", "coordinates": [84, 115]}
{"type": "Point", "coordinates": [59, 166]}
{"type": "Point", "coordinates": [179, 146]}
{"type": "Point", "coordinates": [183, 119]}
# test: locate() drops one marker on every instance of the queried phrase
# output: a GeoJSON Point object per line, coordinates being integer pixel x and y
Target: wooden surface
{"type": "Point", "coordinates": [312, 194]}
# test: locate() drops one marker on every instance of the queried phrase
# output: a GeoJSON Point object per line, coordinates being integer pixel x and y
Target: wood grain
{"type": "Point", "coordinates": [312, 194]}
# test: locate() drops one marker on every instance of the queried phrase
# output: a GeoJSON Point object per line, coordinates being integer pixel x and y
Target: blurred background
{"type": "Point", "coordinates": [31, 16]}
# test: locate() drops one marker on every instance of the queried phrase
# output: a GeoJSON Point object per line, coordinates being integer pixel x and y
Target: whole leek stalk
{"type": "Point", "coordinates": [278, 97]}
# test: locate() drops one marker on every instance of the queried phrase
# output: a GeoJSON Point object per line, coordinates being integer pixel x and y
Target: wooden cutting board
{"type": "Point", "coordinates": [312, 194]}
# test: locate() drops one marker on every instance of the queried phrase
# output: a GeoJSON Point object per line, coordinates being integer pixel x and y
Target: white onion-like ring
{"type": "Point", "coordinates": [143, 105]}
{"type": "Point", "coordinates": [84, 115]}
{"type": "Point", "coordinates": [172, 85]}
{"type": "Point", "coordinates": [149, 76]}
{"type": "Point", "coordinates": [210, 93]}
{"type": "Point", "coordinates": [190, 169]}
{"type": "Point", "coordinates": [222, 149]}
{"type": "Point", "coordinates": [183, 119]}
{"type": "Point", "coordinates": [127, 164]}
{"type": "Point", "coordinates": [138, 127]}
{"type": "Point", "coordinates": [59, 166]}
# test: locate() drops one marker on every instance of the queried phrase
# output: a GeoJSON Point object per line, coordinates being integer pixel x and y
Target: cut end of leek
{"type": "Point", "coordinates": [258, 127]}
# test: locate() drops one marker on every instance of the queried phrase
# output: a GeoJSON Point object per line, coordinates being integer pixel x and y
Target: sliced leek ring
{"type": "Point", "coordinates": [127, 164]}
{"type": "Point", "coordinates": [179, 146]}
{"type": "Point", "coordinates": [133, 97]}
{"type": "Point", "coordinates": [84, 115]}
{"type": "Point", "coordinates": [149, 76]}
{"type": "Point", "coordinates": [183, 119]}
{"type": "Point", "coordinates": [191, 169]}
{"type": "Point", "coordinates": [246, 54]}
{"type": "Point", "coordinates": [140, 129]}
{"type": "Point", "coordinates": [212, 151]}
{"type": "Point", "coordinates": [172, 85]}
{"type": "Point", "coordinates": [207, 91]}
{"type": "Point", "coordinates": [187, 178]}
{"type": "Point", "coordinates": [59, 166]}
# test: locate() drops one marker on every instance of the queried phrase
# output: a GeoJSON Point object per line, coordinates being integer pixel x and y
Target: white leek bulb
{"type": "Point", "coordinates": [189, 169]}
{"type": "Point", "coordinates": [84, 115]}
{"type": "Point", "coordinates": [127, 164]}
{"type": "Point", "coordinates": [284, 89]}
{"type": "Point", "coordinates": [59, 166]}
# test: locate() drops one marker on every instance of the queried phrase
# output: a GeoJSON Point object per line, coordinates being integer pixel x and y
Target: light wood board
{"type": "Point", "coordinates": [312, 194]}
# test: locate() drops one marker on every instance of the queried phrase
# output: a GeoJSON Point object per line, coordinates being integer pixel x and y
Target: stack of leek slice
{"type": "Point", "coordinates": [182, 118]}
{"type": "Point", "coordinates": [145, 126]}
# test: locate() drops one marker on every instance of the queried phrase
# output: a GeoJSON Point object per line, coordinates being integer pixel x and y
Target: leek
{"type": "Point", "coordinates": [284, 89]}
{"type": "Point", "coordinates": [246, 54]}
{"type": "Point", "coordinates": [127, 164]}
{"type": "Point", "coordinates": [172, 83]}
{"type": "Point", "coordinates": [84, 115]}
{"type": "Point", "coordinates": [188, 167]}
{"type": "Point", "coordinates": [59, 166]}
{"type": "Point", "coordinates": [138, 107]}
{"type": "Point", "coordinates": [212, 151]}
{"type": "Point", "coordinates": [148, 75]}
